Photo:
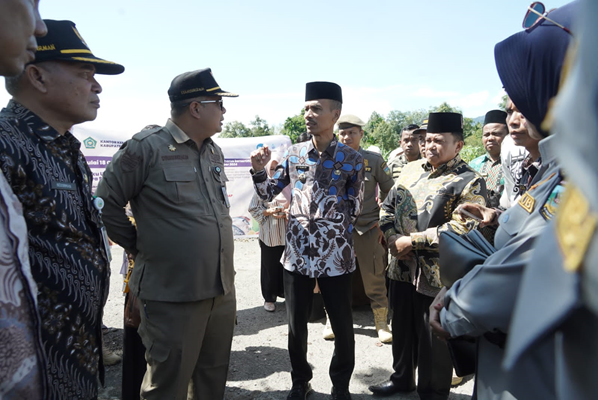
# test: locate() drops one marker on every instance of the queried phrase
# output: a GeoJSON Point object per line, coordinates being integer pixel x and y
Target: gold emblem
{"type": "Point", "coordinates": [527, 201]}
{"type": "Point", "coordinates": [365, 161]}
{"type": "Point", "coordinates": [171, 147]}
{"type": "Point", "coordinates": [575, 226]}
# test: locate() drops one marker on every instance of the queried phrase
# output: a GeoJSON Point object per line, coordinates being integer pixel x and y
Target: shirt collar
{"type": "Point", "coordinates": [330, 149]}
{"type": "Point", "coordinates": [177, 133]}
{"type": "Point", "coordinates": [36, 125]}
{"type": "Point", "coordinates": [444, 167]}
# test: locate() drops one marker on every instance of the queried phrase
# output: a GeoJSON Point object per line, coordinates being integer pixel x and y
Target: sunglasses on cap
{"type": "Point", "coordinates": [536, 14]}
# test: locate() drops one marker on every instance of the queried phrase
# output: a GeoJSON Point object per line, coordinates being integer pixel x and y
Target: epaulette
{"type": "Point", "coordinates": [146, 132]}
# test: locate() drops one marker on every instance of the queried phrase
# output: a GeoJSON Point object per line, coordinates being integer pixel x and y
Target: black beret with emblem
{"type": "Point", "coordinates": [64, 43]}
{"type": "Point", "coordinates": [323, 90]}
{"type": "Point", "coordinates": [443, 122]}
{"type": "Point", "coordinates": [495, 117]}
{"type": "Point", "coordinates": [195, 84]}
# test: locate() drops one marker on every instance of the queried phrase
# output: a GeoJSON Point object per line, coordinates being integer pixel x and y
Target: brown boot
{"type": "Point", "coordinates": [328, 334]}
{"type": "Point", "coordinates": [380, 319]}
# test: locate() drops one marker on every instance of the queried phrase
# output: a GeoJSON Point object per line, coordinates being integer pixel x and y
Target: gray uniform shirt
{"type": "Point", "coordinates": [484, 299]}
{"type": "Point", "coordinates": [184, 236]}
{"type": "Point", "coordinates": [377, 173]}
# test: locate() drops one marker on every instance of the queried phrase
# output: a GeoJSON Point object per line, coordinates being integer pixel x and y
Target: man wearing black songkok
{"type": "Point", "coordinates": [327, 178]}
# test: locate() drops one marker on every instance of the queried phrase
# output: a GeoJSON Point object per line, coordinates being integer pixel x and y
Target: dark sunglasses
{"type": "Point", "coordinates": [536, 14]}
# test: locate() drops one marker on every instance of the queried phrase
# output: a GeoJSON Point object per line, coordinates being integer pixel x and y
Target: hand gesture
{"type": "Point", "coordinates": [486, 216]}
{"type": "Point", "coordinates": [259, 158]}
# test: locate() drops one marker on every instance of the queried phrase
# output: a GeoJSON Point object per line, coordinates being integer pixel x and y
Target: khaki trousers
{"type": "Point", "coordinates": [187, 347]}
{"type": "Point", "coordinates": [370, 256]}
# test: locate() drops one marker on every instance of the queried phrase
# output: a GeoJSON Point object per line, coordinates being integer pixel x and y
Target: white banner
{"type": "Point", "coordinates": [99, 149]}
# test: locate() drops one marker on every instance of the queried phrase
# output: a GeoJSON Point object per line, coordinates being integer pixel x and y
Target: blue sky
{"type": "Point", "coordinates": [386, 55]}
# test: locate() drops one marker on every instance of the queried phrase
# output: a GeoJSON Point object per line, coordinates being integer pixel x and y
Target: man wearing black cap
{"type": "Point", "coordinates": [174, 179]}
{"type": "Point", "coordinates": [327, 181]}
{"type": "Point", "coordinates": [48, 173]}
{"type": "Point", "coordinates": [489, 165]}
{"type": "Point", "coordinates": [435, 186]}
{"type": "Point", "coordinates": [412, 140]}
{"type": "Point", "coordinates": [367, 237]}
{"type": "Point", "coordinates": [20, 23]}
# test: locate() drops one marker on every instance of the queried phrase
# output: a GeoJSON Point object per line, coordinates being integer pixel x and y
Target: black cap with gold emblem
{"type": "Point", "coordinates": [444, 122]}
{"type": "Point", "coordinates": [195, 84]}
{"type": "Point", "coordinates": [64, 43]}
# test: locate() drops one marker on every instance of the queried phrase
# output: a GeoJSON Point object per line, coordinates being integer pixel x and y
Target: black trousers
{"type": "Point", "coordinates": [271, 272]}
{"type": "Point", "coordinates": [414, 345]}
{"type": "Point", "coordinates": [134, 364]}
{"type": "Point", "coordinates": [336, 293]}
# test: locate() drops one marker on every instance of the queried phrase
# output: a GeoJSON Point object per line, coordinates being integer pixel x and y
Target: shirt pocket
{"type": "Point", "coordinates": [181, 184]}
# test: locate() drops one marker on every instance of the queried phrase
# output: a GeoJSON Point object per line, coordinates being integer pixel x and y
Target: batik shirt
{"type": "Point", "coordinates": [327, 195]}
{"type": "Point", "coordinates": [435, 196]}
{"type": "Point", "coordinates": [49, 175]}
{"type": "Point", "coordinates": [21, 352]}
{"type": "Point", "coordinates": [492, 172]}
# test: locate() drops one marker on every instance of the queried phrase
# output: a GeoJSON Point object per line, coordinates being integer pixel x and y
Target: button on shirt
{"type": "Point", "coordinates": [327, 196]}
{"type": "Point", "coordinates": [48, 173]}
{"type": "Point", "coordinates": [184, 236]}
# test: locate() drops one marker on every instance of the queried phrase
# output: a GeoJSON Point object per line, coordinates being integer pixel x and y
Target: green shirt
{"type": "Point", "coordinates": [184, 235]}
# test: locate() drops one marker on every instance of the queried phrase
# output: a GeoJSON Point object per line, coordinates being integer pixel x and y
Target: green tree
{"type": "Point", "coordinates": [259, 127]}
{"type": "Point", "coordinates": [235, 129]}
{"type": "Point", "coordinates": [294, 126]}
{"type": "Point", "coordinates": [503, 103]}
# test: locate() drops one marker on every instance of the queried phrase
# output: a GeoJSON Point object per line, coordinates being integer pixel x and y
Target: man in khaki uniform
{"type": "Point", "coordinates": [412, 143]}
{"type": "Point", "coordinates": [183, 246]}
{"type": "Point", "coordinates": [367, 236]}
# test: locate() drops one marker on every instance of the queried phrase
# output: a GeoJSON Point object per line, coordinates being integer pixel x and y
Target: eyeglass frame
{"type": "Point", "coordinates": [221, 101]}
{"type": "Point", "coordinates": [540, 18]}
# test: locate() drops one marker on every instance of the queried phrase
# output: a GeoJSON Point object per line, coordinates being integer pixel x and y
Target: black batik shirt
{"type": "Point", "coordinates": [50, 177]}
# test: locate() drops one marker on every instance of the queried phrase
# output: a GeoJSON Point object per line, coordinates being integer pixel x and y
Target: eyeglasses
{"type": "Point", "coordinates": [536, 14]}
{"type": "Point", "coordinates": [221, 101]}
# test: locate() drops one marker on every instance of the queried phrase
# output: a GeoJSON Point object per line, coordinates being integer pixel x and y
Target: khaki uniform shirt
{"type": "Point", "coordinates": [376, 173]}
{"type": "Point", "coordinates": [184, 235]}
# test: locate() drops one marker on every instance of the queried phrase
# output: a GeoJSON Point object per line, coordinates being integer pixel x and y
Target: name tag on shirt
{"type": "Point", "coordinates": [63, 185]}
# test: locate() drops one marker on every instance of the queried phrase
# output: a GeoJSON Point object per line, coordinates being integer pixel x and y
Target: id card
{"type": "Point", "coordinates": [106, 243]}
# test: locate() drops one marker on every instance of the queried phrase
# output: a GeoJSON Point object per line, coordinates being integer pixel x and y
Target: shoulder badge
{"type": "Point", "coordinates": [575, 227]}
{"type": "Point", "coordinates": [527, 202]}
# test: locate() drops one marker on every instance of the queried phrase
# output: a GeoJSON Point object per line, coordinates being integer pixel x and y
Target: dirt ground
{"type": "Point", "coordinates": [260, 367]}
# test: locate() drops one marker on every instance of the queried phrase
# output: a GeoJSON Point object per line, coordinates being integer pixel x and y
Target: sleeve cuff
{"type": "Point", "coordinates": [258, 177]}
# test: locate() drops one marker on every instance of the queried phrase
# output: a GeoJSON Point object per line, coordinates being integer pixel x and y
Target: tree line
{"type": "Point", "coordinates": [380, 131]}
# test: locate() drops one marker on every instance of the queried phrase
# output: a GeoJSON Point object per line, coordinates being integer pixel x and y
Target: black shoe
{"type": "Point", "coordinates": [388, 388]}
{"type": "Point", "coordinates": [299, 391]}
{"type": "Point", "coordinates": [340, 394]}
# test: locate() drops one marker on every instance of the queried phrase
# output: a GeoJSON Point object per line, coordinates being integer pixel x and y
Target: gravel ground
{"type": "Point", "coordinates": [260, 367]}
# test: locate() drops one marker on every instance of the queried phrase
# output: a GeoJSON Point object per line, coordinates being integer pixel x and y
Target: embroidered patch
{"type": "Point", "coordinates": [575, 227]}
{"type": "Point", "coordinates": [548, 210]}
{"type": "Point", "coordinates": [527, 202]}
{"type": "Point", "coordinates": [130, 161]}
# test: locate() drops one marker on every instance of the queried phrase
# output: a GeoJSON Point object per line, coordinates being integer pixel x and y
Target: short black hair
{"type": "Point", "coordinates": [458, 136]}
